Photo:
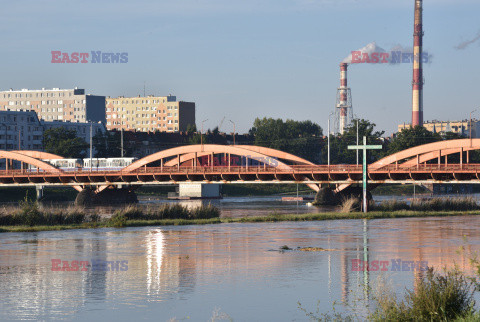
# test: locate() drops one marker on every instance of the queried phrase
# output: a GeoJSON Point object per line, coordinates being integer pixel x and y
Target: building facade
{"type": "Point", "coordinates": [459, 127]}
{"type": "Point", "coordinates": [56, 104]}
{"type": "Point", "coordinates": [82, 129]}
{"type": "Point", "coordinates": [22, 130]}
{"type": "Point", "coordinates": [149, 114]}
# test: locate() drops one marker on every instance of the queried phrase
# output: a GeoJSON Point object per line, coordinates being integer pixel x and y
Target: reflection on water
{"type": "Point", "coordinates": [187, 272]}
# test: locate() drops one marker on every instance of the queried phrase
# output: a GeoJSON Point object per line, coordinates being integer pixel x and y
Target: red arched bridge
{"type": "Point", "coordinates": [210, 163]}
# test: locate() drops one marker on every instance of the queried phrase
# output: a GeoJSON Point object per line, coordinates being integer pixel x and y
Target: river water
{"type": "Point", "coordinates": [228, 270]}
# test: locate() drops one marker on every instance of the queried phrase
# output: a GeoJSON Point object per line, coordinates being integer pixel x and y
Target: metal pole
{"type": "Point", "coordinates": [91, 144]}
{"type": "Point", "coordinates": [328, 140]}
{"type": "Point", "coordinates": [470, 130]}
{"type": "Point", "coordinates": [233, 131]}
{"type": "Point", "coordinates": [201, 134]}
{"type": "Point", "coordinates": [365, 176]}
{"type": "Point", "coordinates": [357, 141]}
{"type": "Point", "coordinates": [121, 140]}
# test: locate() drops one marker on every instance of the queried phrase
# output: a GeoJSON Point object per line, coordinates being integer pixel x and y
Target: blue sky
{"type": "Point", "coordinates": [245, 59]}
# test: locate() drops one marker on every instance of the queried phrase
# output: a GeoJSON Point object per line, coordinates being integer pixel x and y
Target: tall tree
{"type": "Point", "coordinates": [411, 137]}
{"type": "Point", "coordinates": [65, 143]}
{"type": "Point", "coordinates": [301, 138]}
{"type": "Point", "coordinates": [339, 152]}
{"type": "Point", "coordinates": [108, 144]}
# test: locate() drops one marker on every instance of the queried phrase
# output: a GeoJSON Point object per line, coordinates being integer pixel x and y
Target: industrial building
{"type": "Point", "coordinates": [459, 127]}
{"type": "Point", "coordinates": [56, 104]}
{"type": "Point", "coordinates": [149, 114]}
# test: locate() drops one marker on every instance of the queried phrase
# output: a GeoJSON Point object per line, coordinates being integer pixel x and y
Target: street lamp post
{"type": "Point", "coordinates": [121, 141]}
{"type": "Point", "coordinates": [91, 144]}
{"type": "Point", "coordinates": [470, 127]}
{"type": "Point", "coordinates": [328, 139]}
{"type": "Point", "coordinates": [201, 134]}
{"type": "Point", "coordinates": [233, 131]}
{"type": "Point", "coordinates": [357, 141]}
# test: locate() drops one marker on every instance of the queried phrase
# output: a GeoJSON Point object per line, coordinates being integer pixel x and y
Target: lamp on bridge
{"type": "Point", "coordinates": [201, 134]}
{"type": "Point", "coordinates": [470, 127]}
{"type": "Point", "coordinates": [365, 147]}
{"type": "Point", "coordinates": [233, 131]}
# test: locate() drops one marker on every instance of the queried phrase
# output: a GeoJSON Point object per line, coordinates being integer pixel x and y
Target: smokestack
{"type": "Point", "coordinates": [343, 104]}
{"type": "Point", "coordinates": [417, 83]}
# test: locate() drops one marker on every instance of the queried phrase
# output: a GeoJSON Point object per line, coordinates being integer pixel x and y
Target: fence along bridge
{"type": "Point", "coordinates": [209, 163]}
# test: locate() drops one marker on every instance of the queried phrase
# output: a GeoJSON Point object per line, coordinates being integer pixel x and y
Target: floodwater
{"type": "Point", "coordinates": [230, 270]}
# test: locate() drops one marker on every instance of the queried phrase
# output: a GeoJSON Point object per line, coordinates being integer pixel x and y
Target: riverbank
{"type": "Point", "coordinates": [266, 219]}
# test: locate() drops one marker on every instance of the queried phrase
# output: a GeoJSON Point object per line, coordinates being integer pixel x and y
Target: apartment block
{"type": "Point", "coordinates": [459, 127]}
{"type": "Point", "coordinates": [82, 129]}
{"type": "Point", "coordinates": [56, 104]}
{"type": "Point", "coordinates": [22, 130]}
{"type": "Point", "coordinates": [149, 114]}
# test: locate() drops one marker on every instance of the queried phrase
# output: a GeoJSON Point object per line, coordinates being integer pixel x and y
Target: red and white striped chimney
{"type": "Point", "coordinates": [343, 97]}
{"type": "Point", "coordinates": [417, 83]}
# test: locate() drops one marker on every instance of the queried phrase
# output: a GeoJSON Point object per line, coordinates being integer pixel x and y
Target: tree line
{"type": "Point", "coordinates": [302, 138]}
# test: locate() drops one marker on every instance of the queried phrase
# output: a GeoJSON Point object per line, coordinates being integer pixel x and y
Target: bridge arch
{"type": "Point", "coordinates": [35, 158]}
{"type": "Point", "coordinates": [39, 154]}
{"type": "Point", "coordinates": [25, 158]}
{"type": "Point", "coordinates": [428, 152]}
{"type": "Point", "coordinates": [263, 150]}
{"type": "Point", "coordinates": [422, 153]}
{"type": "Point", "coordinates": [189, 151]}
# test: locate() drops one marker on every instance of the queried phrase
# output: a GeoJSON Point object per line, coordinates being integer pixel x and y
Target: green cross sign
{"type": "Point", "coordinates": [365, 147]}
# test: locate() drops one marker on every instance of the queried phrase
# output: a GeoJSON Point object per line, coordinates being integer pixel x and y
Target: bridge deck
{"type": "Point", "coordinates": [423, 173]}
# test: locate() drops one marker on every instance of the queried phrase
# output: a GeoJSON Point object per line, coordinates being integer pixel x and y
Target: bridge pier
{"type": "Point", "coordinates": [39, 190]}
{"type": "Point", "coordinates": [326, 197]}
{"type": "Point", "coordinates": [114, 196]}
{"type": "Point", "coordinates": [199, 190]}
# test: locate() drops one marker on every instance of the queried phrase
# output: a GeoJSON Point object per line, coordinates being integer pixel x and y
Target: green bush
{"type": "Point", "coordinates": [30, 214]}
{"type": "Point", "coordinates": [436, 298]}
{"type": "Point", "coordinates": [118, 221]}
{"type": "Point", "coordinates": [434, 204]}
{"type": "Point", "coordinates": [168, 211]}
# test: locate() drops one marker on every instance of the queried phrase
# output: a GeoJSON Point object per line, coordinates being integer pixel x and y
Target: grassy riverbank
{"type": "Point", "coordinates": [122, 219]}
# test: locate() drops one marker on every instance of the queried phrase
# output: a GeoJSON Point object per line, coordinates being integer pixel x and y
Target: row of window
{"type": "Point", "coordinates": [138, 108]}
{"type": "Point", "coordinates": [138, 102]}
{"type": "Point", "coordinates": [47, 102]}
{"type": "Point", "coordinates": [27, 95]}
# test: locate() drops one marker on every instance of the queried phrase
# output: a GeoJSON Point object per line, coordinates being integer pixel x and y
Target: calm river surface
{"type": "Point", "coordinates": [196, 272]}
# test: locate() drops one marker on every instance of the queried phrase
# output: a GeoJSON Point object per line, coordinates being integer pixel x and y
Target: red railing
{"type": "Point", "coordinates": [201, 170]}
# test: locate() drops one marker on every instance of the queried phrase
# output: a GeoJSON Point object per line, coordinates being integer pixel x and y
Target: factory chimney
{"type": "Point", "coordinates": [343, 111]}
{"type": "Point", "coordinates": [417, 83]}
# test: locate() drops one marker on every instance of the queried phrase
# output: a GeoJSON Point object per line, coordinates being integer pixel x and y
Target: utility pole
{"type": "Point", "coordinates": [233, 131]}
{"type": "Point", "coordinates": [470, 130]}
{"type": "Point", "coordinates": [365, 147]}
{"type": "Point", "coordinates": [357, 140]}
{"type": "Point", "coordinates": [121, 140]}
{"type": "Point", "coordinates": [91, 145]}
{"type": "Point", "coordinates": [328, 139]}
{"type": "Point", "coordinates": [201, 134]}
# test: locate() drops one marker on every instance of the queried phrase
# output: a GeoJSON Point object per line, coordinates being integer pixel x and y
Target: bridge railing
{"type": "Point", "coordinates": [201, 170]}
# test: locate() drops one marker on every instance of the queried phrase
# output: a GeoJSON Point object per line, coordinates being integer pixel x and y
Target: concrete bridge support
{"type": "Point", "coordinates": [199, 190]}
{"type": "Point", "coordinates": [39, 192]}
{"type": "Point", "coordinates": [114, 196]}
